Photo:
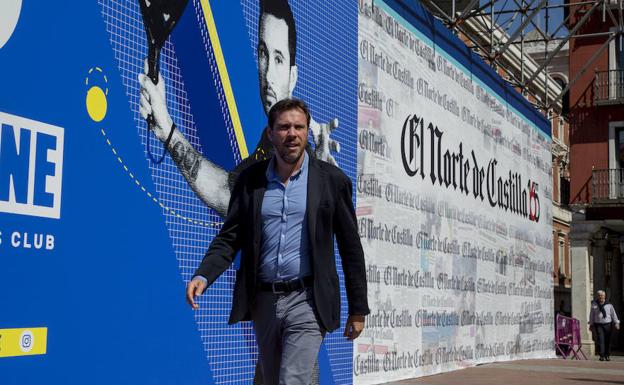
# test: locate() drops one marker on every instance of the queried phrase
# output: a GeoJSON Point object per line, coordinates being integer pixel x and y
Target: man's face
{"type": "Point", "coordinates": [289, 135]}
{"type": "Point", "coordinates": [277, 76]}
{"type": "Point", "coordinates": [601, 297]}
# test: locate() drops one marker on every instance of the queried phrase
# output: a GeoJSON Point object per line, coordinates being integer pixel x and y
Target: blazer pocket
{"type": "Point", "coordinates": [325, 205]}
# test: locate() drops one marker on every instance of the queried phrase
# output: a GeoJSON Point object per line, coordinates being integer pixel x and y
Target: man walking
{"type": "Point", "coordinates": [601, 316]}
{"type": "Point", "coordinates": [283, 215]}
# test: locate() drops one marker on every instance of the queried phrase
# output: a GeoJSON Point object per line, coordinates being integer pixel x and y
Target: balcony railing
{"type": "Point", "coordinates": [609, 87]}
{"type": "Point", "coordinates": [608, 186]}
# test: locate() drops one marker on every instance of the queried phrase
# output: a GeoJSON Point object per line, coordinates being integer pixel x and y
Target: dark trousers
{"type": "Point", "coordinates": [603, 339]}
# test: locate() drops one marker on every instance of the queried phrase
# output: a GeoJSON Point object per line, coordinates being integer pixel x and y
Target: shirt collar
{"type": "Point", "coordinates": [271, 175]}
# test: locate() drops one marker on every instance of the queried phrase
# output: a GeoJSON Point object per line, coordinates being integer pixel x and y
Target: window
{"type": "Point", "coordinates": [615, 79]}
{"type": "Point", "coordinates": [619, 66]}
{"type": "Point", "coordinates": [565, 100]}
{"type": "Point", "coordinates": [562, 257]}
{"type": "Point", "coordinates": [619, 147]}
{"type": "Point", "coordinates": [616, 160]}
{"type": "Point", "coordinates": [619, 53]}
{"type": "Point", "coordinates": [564, 191]}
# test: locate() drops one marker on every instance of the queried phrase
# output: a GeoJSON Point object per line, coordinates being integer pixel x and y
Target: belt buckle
{"type": "Point", "coordinates": [275, 291]}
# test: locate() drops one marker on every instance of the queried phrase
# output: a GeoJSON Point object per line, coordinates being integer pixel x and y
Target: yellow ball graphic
{"type": "Point", "coordinates": [96, 103]}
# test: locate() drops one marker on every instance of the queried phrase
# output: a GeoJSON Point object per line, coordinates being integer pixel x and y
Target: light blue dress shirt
{"type": "Point", "coordinates": [285, 246]}
{"type": "Point", "coordinates": [285, 250]}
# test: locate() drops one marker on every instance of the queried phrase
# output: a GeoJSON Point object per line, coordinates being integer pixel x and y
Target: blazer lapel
{"type": "Point", "coordinates": [258, 196]}
{"type": "Point", "coordinates": [315, 186]}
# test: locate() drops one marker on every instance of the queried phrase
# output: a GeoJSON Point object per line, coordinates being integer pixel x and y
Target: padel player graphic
{"type": "Point", "coordinates": [277, 72]}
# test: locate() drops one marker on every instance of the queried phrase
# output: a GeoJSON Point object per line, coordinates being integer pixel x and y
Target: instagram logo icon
{"type": "Point", "coordinates": [26, 341]}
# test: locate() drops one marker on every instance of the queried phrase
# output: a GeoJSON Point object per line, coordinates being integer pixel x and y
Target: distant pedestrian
{"type": "Point", "coordinates": [601, 316]}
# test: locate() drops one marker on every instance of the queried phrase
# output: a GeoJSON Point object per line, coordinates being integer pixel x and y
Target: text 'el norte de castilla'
{"type": "Point", "coordinates": [467, 174]}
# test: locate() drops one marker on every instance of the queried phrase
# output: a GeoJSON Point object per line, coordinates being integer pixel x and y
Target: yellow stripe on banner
{"type": "Point", "coordinates": [23, 342]}
{"type": "Point", "coordinates": [225, 79]}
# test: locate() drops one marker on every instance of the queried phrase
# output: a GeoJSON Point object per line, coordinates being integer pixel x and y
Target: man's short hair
{"type": "Point", "coordinates": [287, 105]}
{"type": "Point", "coordinates": [600, 292]}
{"type": "Point", "coordinates": [281, 10]}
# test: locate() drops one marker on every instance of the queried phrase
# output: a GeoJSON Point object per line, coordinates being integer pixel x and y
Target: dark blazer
{"type": "Point", "coordinates": [329, 212]}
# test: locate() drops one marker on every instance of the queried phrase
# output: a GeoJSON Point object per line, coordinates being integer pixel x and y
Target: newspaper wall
{"type": "Point", "coordinates": [453, 206]}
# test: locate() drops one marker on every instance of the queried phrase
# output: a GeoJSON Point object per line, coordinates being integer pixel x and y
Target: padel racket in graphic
{"type": "Point", "coordinates": [159, 19]}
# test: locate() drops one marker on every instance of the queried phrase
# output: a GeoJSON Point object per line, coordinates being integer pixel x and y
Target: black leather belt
{"type": "Point", "coordinates": [279, 287]}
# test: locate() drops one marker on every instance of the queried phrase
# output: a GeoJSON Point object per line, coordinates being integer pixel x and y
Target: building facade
{"type": "Point", "coordinates": [558, 71]}
{"type": "Point", "coordinates": [597, 157]}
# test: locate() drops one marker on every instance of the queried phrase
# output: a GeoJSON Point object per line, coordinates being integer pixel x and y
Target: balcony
{"type": "Point", "coordinates": [609, 87]}
{"type": "Point", "coordinates": [608, 186]}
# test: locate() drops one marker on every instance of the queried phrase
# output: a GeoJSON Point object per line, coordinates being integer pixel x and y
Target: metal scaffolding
{"type": "Point", "coordinates": [493, 29]}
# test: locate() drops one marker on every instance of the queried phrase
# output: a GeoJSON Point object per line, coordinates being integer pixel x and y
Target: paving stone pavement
{"type": "Point", "coordinates": [538, 372]}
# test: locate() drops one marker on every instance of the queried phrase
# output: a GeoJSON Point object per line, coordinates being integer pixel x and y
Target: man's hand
{"type": "Point", "coordinates": [324, 145]}
{"type": "Point", "coordinates": [617, 326]}
{"type": "Point", "coordinates": [354, 326]}
{"type": "Point", "coordinates": [154, 102]}
{"type": "Point", "coordinates": [194, 289]}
